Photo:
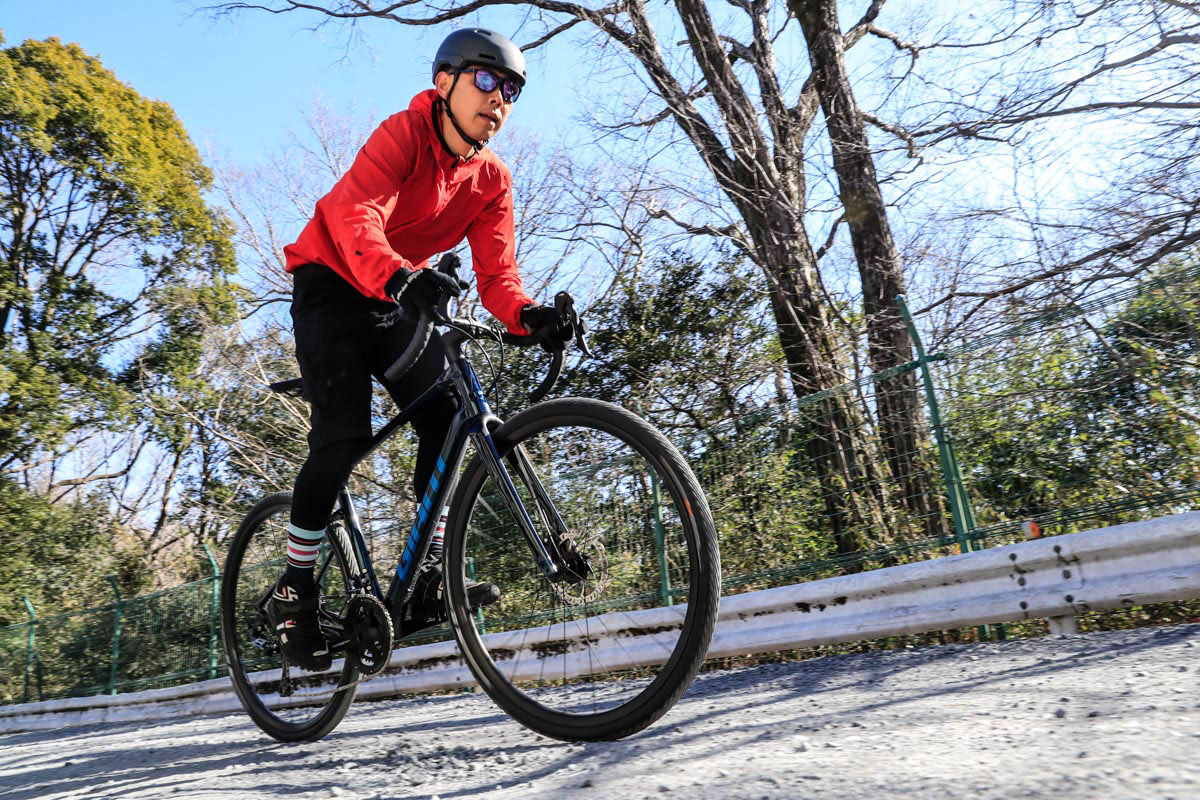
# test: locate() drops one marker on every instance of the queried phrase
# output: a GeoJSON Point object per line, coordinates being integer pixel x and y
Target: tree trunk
{"type": "Point", "coordinates": [826, 428]}
{"type": "Point", "coordinates": [881, 274]}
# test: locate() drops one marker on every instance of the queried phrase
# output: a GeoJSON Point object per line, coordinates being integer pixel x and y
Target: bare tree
{"type": "Point", "coordinates": [1087, 111]}
{"type": "Point", "coordinates": [881, 273]}
{"type": "Point", "coordinates": [752, 149]}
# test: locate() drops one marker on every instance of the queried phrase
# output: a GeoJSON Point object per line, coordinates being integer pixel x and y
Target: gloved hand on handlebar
{"type": "Point", "coordinates": [420, 290]}
{"type": "Point", "coordinates": [535, 318]}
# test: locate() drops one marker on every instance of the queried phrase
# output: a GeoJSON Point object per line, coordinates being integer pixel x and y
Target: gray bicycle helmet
{"type": "Point", "coordinates": [481, 47]}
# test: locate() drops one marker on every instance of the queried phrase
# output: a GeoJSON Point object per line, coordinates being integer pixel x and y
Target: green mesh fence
{"type": "Point", "coordinates": [1082, 416]}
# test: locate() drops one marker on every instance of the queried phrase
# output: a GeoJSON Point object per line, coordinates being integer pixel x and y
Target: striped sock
{"type": "Point", "coordinates": [303, 547]}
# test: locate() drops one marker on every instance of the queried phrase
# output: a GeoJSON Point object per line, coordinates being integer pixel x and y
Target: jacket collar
{"type": "Point", "coordinates": [422, 106]}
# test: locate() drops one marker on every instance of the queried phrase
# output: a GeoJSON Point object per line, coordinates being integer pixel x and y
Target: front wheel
{"type": "Point", "coordinates": [610, 645]}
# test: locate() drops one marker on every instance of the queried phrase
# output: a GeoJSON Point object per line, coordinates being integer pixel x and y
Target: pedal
{"type": "Point", "coordinates": [478, 596]}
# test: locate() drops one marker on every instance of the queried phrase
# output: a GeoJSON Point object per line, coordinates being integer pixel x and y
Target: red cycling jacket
{"type": "Point", "coordinates": [406, 199]}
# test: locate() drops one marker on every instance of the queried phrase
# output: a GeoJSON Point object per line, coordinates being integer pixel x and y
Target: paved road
{"type": "Point", "coordinates": [1113, 715]}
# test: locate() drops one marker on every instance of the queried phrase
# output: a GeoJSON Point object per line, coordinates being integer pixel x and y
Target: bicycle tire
{"type": "Point", "coordinates": [243, 581]}
{"type": "Point", "coordinates": [542, 428]}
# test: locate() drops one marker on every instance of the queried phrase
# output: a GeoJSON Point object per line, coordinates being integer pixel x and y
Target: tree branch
{"type": "Point", "coordinates": [895, 130]}
{"type": "Point", "coordinates": [732, 232]}
{"type": "Point", "coordinates": [541, 41]}
{"type": "Point", "coordinates": [1175, 244]}
{"type": "Point", "coordinates": [896, 40]}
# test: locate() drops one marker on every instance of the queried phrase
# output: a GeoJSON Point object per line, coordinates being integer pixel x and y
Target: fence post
{"type": "Point", "coordinates": [116, 648]}
{"type": "Point", "coordinates": [29, 648]}
{"type": "Point", "coordinates": [476, 689]}
{"type": "Point", "coordinates": [956, 493]}
{"type": "Point", "coordinates": [478, 611]}
{"type": "Point", "coordinates": [660, 543]}
{"type": "Point", "coordinates": [960, 504]}
{"type": "Point", "coordinates": [213, 613]}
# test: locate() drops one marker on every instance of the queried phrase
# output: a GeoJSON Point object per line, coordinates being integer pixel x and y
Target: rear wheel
{"type": "Point", "coordinates": [288, 702]}
{"type": "Point", "coordinates": [609, 649]}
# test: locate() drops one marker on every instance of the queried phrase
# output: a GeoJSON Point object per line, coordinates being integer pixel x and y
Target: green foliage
{"type": "Point", "coordinates": [1085, 412]}
{"type": "Point", "coordinates": [103, 233]}
{"type": "Point", "coordinates": [58, 555]}
{"type": "Point", "coordinates": [690, 343]}
{"type": "Point", "coordinates": [1143, 372]}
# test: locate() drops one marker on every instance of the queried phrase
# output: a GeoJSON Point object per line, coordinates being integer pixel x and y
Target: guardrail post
{"type": "Point", "coordinates": [29, 648]}
{"type": "Point", "coordinates": [1060, 624]}
{"type": "Point", "coordinates": [116, 648]}
{"type": "Point", "coordinates": [213, 612]}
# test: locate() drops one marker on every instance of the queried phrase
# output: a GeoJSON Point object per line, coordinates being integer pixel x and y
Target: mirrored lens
{"type": "Point", "coordinates": [487, 81]}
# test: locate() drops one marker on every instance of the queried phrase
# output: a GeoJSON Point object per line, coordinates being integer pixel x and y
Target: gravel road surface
{"type": "Point", "coordinates": [1109, 715]}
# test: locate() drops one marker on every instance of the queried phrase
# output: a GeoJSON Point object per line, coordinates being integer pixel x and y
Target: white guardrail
{"type": "Point", "coordinates": [1125, 565]}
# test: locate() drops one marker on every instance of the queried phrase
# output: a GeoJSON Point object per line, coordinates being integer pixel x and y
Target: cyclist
{"type": "Point", "coordinates": [423, 182]}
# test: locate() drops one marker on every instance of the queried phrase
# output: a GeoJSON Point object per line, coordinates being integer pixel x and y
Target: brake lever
{"type": "Point", "coordinates": [564, 304]}
{"type": "Point", "coordinates": [448, 264]}
{"type": "Point", "coordinates": [581, 342]}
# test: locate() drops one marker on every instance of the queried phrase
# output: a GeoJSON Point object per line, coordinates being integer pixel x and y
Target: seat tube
{"type": "Point", "coordinates": [354, 526]}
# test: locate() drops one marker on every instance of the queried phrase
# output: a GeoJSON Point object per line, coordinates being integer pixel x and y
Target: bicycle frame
{"type": "Point", "coordinates": [473, 421]}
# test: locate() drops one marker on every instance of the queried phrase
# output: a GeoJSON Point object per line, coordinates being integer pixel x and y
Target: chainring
{"type": "Point", "coordinates": [369, 630]}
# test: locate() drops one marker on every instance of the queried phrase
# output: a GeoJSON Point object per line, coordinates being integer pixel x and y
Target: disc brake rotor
{"type": "Point", "coordinates": [589, 560]}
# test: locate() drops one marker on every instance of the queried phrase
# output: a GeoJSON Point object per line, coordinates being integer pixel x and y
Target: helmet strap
{"type": "Point", "coordinates": [475, 145]}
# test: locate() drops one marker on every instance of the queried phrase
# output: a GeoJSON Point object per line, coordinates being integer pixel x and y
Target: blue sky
{"type": "Point", "coordinates": [239, 83]}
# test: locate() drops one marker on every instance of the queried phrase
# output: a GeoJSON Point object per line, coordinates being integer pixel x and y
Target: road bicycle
{"type": "Point", "coordinates": [588, 519]}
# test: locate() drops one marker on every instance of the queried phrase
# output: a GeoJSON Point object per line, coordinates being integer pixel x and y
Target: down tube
{"type": "Point", "coordinates": [437, 494]}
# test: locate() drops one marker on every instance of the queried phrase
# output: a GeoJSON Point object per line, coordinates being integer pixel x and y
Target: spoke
{"type": "Point", "coordinates": [598, 486]}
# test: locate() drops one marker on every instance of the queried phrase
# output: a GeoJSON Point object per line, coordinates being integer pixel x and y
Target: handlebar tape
{"type": "Point", "coordinates": [414, 350]}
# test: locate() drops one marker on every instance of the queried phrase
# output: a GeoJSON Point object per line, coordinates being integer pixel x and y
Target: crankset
{"type": "Point", "coordinates": [369, 634]}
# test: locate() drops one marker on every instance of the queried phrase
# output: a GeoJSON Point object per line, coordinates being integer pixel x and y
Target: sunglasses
{"type": "Point", "coordinates": [488, 81]}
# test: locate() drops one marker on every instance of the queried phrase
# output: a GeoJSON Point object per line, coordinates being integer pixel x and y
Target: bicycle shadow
{"type": "Point", "coordinates": [97, 767]}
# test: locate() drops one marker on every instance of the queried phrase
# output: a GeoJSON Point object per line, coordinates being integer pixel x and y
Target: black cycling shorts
{"type": "Point", "coordinates": [343, 339]}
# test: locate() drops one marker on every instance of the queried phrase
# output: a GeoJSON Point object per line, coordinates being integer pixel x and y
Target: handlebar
{"type": "Point", "coordinates": [448, 264]}
{"type": "Point", "coordinates": [563, 303]}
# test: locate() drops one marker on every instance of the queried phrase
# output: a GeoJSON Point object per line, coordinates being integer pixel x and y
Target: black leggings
{"type": "Point", "coordinates": [343, 338]}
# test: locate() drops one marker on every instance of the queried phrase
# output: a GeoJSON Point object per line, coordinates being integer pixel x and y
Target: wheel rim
{"type": "Point", "coordinates": [559, 648]}
{"type": "Point", "coordinates": [255, 661]}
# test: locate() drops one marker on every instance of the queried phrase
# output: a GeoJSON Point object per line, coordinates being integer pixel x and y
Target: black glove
{"type": "Point", "coordinates": [420, 290]}
{"type": "Point", "coordinates": [534, 318]}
